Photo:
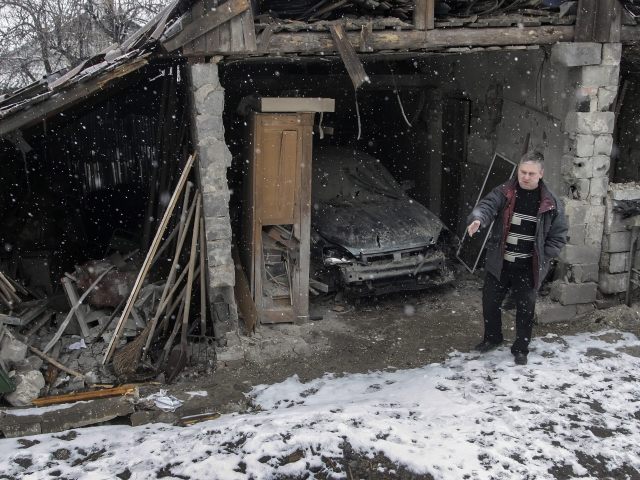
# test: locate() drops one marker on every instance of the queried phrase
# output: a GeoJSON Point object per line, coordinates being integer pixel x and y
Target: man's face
{"type": "Point", "coordinates": [529, 175]}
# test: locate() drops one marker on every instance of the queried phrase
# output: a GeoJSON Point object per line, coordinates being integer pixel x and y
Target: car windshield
{"type": "Point", "coordinates": [347, 174]}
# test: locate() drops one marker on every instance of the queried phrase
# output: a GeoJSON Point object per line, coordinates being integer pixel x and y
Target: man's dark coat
{"type": "Point", "coordinates": [551, 230]}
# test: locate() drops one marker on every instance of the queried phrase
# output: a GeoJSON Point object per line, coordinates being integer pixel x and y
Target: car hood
{"type": "Point", "coordinates": [376, 225]}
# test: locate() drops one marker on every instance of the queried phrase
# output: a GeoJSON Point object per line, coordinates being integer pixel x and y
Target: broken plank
{"type": "Point", "coordinates": [349, 57]}
{"type": "Point", "coordinates": [83, 396]}
{"type": "Point", "coordinates": [206, 23]}
{"type": "Point", "coordinates": [73, 298]}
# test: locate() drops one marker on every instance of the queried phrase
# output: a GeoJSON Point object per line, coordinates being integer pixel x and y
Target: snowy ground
{"type": "Point", "coordinates": [573, 412]}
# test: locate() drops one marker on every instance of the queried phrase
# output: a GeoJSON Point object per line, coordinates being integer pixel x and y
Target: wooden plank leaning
{"type": "Point", "coordinates": [185, 222]}
{"type": "Point", "coordinates": [71, 313]}
{"type": "Point", "coordinates": [147, 261]}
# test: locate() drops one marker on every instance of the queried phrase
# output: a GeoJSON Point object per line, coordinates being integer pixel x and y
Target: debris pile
{"type": "Point", "coordinates": [124, 317]}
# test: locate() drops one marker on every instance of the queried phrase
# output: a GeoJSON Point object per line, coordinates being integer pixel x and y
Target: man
{"type": "Point", "coordinates": [529, 230]}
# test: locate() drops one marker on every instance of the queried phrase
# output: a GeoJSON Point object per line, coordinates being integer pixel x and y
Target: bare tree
{"type": "Point", "coordinates": [38, 37]}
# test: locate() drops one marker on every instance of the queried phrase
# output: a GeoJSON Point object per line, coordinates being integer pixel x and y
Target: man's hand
{"type": "Point", "coordinates": [473, 227]}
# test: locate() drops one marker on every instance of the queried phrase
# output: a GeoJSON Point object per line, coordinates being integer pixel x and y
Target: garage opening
{"type": "Point", "coordinates": [424, 129]}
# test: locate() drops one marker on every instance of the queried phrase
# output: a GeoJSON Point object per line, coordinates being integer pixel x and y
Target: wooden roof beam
{"type": "Point", "coordinates": [321, 42]}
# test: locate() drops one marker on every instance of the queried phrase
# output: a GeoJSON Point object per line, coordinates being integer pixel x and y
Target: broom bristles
{"type": "Point", "coordinates": [127, 359]}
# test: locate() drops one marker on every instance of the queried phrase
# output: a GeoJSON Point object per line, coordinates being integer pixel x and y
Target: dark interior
{"type": "Point", "coordinates": [80, 185]}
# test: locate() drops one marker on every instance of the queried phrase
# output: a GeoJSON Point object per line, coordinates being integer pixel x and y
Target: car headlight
{"type": "Point", "coordinates": [335, 256]}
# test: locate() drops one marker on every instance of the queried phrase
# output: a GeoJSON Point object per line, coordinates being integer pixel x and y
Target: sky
{"type": "Point", "coordinates": [574, 410]}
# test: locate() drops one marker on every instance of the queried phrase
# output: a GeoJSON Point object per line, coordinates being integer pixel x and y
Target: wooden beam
{"type": "Point", "coordinates": [352, 63]}
{"type": "Point", "coordinates": [320, 42]}
{"type": "Point", "coordinates": [424, 14]}
{"type": "Point", "coordinates": [210, 20]}
{"type": "Point", "coordinates": [67, 98]}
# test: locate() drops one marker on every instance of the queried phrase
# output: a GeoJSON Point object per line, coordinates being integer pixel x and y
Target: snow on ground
{"type": "Point", "coordinates": [574, 411]}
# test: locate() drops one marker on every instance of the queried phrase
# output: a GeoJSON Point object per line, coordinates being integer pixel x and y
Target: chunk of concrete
{"type": "Point", "coordinates": [574, 293]}
{"type": "Point", "coordinates": [602, 145]}
{"type": "Point", "coordinates": [28, 386]}
{"type": "Point", "coordinates": [611, 53]}
{"type": "Point", "coordinates": [12, 351]}
{"type": "Point", "coordinates": [576, 54]}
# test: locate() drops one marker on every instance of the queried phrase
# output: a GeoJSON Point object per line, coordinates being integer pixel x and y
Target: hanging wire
{"type": "Point", "coordinates": [395, 90]}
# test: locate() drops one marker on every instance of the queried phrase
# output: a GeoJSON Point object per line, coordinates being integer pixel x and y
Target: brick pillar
{"type": "Point", "coordinates": [585, 166]}
{"type": "Point", "coordinates": [207, 102]}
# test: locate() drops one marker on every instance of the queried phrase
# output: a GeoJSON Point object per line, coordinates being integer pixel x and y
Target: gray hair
{"type": "Point", "coordinates": [533, 156]}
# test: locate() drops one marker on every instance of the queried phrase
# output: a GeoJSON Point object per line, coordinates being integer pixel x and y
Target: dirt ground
{"type": "Point", "coordinates": [396, 331]}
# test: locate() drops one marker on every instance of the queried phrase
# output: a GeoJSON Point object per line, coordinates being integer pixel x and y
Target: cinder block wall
{"type": "Point", "coordinates": [585, 166]}
{"type": "Point", "coordinates": [207, 102]}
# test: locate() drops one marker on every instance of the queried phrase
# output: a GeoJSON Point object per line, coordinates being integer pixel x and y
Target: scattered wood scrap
{"type": "Point", "coordinates": [89, 395]}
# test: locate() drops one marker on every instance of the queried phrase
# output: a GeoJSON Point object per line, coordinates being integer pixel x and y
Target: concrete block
{"type": "Point", "coordinates": [209, 127]}
{"type": "Point", "coordinates": [209, 101]}
{"type": "Point", "coordinates": [612, 282]}
{"type": "Point", "coordinates": [215, 153]}
{"type": "Point", "coordinates": [574, 254]}
{"type": "Point", "coordinates": [579, 187]}
{"type": "Point", "coordinates": [596, 201]}
{"type": "Point", "coordinates": [594, 123]}
{"type": "Point", "coordinates": [215, 204]}
{"type": "Point", "coordinates": [600, 75]}
{"type": "Point", "coordinates": [576, 211]}
{"type": "Point", "coordinates": [577, 234]}
{"type": "Point", "coordinates": [576, 167]}
{"type": "Point", "coordinates": [574, 293]}
{"type": "Point", "coordinates": [602, 145]}
{"type": "Point", "coordinates": [203, 74]}
{"type": "Point", "coordinates": [611, 53]}
{"type": "Point", "coordinates": [598, 186]}
{"type": "Point", "coordinates": [618, 262]}
{"type": "Point", "coordinates": [616, 242]}
{"type": "Point", "coordinates": [606, 98]}
{"type": "Point", "coordinates": [584, 273]}
{"type": "Point", "coordinates": [600, 165]}
{"type": "Point", "coordinates": [217, 228]}
{"type": "Point", "coordinates": [595, 214]}
{"type": "Point", "coordinates": [222, 276]}
{"type": "Point", "coordinates": [595, 232]}
{"type": "Point", "coordinates": [613, 221]}
{"type": "Point", "coordinates": [219, 252]}
{"type": "Point", "coordinates": [572, 54]}
{"type": "Point", "coordinates": [553, 312]}
{"type": "Point", "coordinates": [625, 191]}
{"type": "Point", "coordinates": [583, 145]}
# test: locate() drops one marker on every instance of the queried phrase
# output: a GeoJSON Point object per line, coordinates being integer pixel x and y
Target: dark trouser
{"type": "Point", "coordinates": [520, 282]}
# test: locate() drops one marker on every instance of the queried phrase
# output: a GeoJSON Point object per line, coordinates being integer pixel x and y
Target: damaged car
{"type": "Point", "coordinates": [368, 236]}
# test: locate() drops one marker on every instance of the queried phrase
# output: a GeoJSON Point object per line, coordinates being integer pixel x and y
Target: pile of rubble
{"type": "Point", "coordinates": [124, 318]}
